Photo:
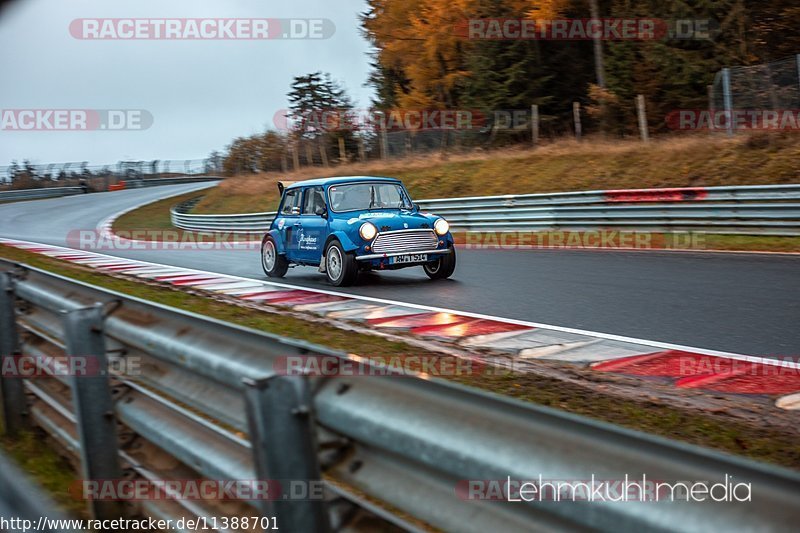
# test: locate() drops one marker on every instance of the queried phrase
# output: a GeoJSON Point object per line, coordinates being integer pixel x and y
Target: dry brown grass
{"type": "Point", "coordinates": [565, 165]}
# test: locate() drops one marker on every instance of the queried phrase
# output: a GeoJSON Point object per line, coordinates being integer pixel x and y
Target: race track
{"type": "Point", "coordinates": [745, 303]}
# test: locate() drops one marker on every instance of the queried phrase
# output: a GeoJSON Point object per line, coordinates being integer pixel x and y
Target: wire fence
{"type": "Point", "coordinates": [750, 91]}
{"type": "Point", "coordinates": [291, 150]}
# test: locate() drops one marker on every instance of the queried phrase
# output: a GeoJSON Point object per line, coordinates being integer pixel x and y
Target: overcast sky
{"type": "Point", "coordinates": [201, 94]}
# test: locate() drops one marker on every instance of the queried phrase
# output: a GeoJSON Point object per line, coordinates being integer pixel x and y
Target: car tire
{"type": "Point", "coordinates": [341, 268]}
{"type": "Point", "coordinates": [443, 268]}
{"type": "Point", "coordinates": [274, 264]}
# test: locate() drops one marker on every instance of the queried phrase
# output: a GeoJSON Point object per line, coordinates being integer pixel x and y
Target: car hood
{"type": "Point", "coordinates": [392, 220]}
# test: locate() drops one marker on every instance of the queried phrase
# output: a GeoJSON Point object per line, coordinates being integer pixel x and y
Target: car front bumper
{"type": "Point", "coordinates": [416, 252]}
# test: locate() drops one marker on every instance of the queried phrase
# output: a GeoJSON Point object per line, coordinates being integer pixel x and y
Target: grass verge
{"type": "Point", "coordinates": [712, 429]}
{"type": "Point", "coordinates": [153, 217]}
{"type": "Point", "coordinates": [152, 222]}
{"type": "Point", "coordinates": [592, 240]}
{"type": "Point", "coordinates": [751, 243]}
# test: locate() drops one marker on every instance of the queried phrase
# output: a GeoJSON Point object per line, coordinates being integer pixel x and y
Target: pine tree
{"type": "Point", "coordinates": [320, 109]}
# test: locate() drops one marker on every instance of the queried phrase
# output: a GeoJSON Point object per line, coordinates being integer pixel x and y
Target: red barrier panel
{"type": "Point", "coordinates": [118, 187]}
{"type": "Point", "coordinates": [685, 194]}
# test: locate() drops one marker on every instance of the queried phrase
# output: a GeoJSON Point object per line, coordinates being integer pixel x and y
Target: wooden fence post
{"type": "Point", "coordinates": [323, 153]}
{"type": "Point", "coordinates": [641, 113]}
{"type": "Point", "coordinates": [342, 153]}
{"type": "Point", "coordinates": [309, 154]}
{"type": "Point", "coordinates": [295, 157]}
{"type": "Point", "coordinates": [362, 153]}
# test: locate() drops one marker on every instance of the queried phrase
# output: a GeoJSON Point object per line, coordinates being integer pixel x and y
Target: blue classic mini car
{"type": "Point", "coordinates": [349, 224]}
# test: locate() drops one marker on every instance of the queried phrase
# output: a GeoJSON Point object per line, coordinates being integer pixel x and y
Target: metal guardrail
{"type": "Point", "coordinates": [155, 182]}
{"type": "Point", "coordinates": [759, 209]}
{"type": "Point", "coordinates": [22, 499]}
{"type": "Point", "coordinates": [35, 194]}
{"type": "Point", "coordinates": [211, 402]}
{"type": "Point", "coordinates": [120, 169]}
{"type": "Point", "coordinates": [56, 192]}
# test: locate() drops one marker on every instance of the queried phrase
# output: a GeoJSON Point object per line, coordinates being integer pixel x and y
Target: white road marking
{"type": "Point", "coordinates": [433, 309]}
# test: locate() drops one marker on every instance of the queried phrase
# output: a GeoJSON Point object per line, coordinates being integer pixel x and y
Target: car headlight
{"type": "Point", "coordinates": [368, 231]}
{"type": "Point", "coordinates": [441, 227]}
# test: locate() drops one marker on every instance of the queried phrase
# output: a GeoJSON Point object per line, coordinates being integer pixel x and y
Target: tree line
{"type": "Point", "coordinates": [424, 60]}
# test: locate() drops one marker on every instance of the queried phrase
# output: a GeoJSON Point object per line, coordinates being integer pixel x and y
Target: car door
{"type": "Point", "coordinates": [313, 229]}
{"type": "Point", "coordinates": [288, 222]}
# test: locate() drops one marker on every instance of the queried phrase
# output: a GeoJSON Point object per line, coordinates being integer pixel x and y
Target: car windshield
{"type": "Point", "coordinates": [364, 196]}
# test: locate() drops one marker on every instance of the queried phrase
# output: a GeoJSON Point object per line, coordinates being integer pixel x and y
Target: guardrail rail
{"type": "Point", "coordinates": [755, 209]}
{"type": "Point", "coordinates": [57, 192]}
{"type": "Point", "coordinates": [36, 194]}
{"type": "Point", "coordinates": [210, 401]}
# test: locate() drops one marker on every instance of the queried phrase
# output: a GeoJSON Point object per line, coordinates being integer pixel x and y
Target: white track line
{"type": "Point", "coordinates": [434, 309]}
{"type": "Point", "coordinates": [628, 249]}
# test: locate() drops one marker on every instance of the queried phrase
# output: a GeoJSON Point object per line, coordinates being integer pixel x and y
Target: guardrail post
{"type": "Point", "coordinates": [15, 404]}
{"type": "Point", "coordinates": [285, 451]}
{"type": "Point", "coordinates": [93, 404]}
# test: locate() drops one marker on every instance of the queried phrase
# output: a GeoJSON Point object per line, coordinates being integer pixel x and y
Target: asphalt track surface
{"type": "Point", "coordinates": [743, 303]}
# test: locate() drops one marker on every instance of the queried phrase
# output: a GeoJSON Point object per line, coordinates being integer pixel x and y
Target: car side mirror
{"type": "Point", "coordinates": [321, 211]}
{"type": "Point", "coordinates": [417, 207]}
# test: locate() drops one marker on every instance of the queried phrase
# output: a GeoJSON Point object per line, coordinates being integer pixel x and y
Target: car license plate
{"type": "Point", "coordinates": [409, 258]}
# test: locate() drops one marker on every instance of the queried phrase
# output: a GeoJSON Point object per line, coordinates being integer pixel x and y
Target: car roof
{"type": "Point", "coordinates": [340, 179]}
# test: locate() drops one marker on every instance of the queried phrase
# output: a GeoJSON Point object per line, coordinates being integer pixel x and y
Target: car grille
{"type": "Point", "coordinates": [404, 241]}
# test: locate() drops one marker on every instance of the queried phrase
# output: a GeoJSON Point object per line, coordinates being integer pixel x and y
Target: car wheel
{"type": "Point", "coordinates": [340, 267]}
{"type": "Point", "coordinates": [274, 264]}
{"type": "Point", "coordinates": [443, 268]}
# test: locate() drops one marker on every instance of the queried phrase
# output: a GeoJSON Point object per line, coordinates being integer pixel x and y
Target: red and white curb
{"type": "Point", "coordinates": [685, 367]}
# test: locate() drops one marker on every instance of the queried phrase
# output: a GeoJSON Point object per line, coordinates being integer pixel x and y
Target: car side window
{"type": "Point", "coordinates": [314, 199]}
{"type": "Point", "coordinates": [291, 202]}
